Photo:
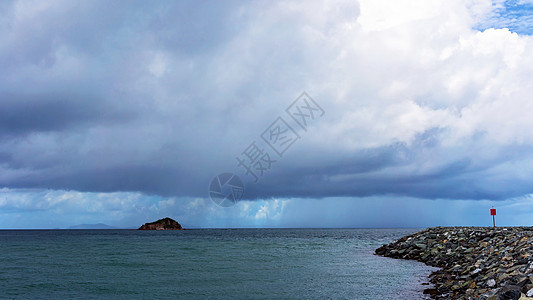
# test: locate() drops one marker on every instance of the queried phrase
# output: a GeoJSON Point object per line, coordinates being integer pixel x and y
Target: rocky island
{"type": "Point", "coordinates": [162, 224]}
{"type": "Point", "coordinates": [476, 262]}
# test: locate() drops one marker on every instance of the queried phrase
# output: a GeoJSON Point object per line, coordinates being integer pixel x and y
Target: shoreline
{"type": "Point", "coordinates": [475, 262]}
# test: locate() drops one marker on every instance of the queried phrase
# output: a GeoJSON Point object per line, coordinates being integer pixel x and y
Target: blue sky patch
{"type": "Point", "coordinates": [516, 15]}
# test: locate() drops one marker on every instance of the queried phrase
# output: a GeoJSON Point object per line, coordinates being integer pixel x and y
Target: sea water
{"type": "Point", "coordinates": [206, 263]}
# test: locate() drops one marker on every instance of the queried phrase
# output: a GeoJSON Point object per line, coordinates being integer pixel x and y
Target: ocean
{"type": "Point", "coordinates": [206, 264]}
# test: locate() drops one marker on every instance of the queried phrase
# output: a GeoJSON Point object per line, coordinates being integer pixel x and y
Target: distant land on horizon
{"type": "Point", "coordinates": [105, 226]}
{"type": "Point", "coordinates": [93, 226]}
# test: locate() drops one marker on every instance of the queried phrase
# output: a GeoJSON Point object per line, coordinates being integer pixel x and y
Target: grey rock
{"type": "Point", "coordinates": [421, 246]}
{"type": "Point", "coordinates": [509, 295]}
{"type": "Point", "coordinates": [491, 283]}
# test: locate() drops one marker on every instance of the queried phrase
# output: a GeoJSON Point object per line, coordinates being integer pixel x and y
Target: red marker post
{"type": "Point", "coordinates": [493, 213]}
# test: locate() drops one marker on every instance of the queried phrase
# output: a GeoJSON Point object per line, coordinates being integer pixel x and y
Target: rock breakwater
{"type": "Point", "coordinates": [475, 262]}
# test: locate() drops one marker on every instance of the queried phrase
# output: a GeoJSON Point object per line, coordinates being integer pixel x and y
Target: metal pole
{"type": "Point", "coordinates": [493, 222]}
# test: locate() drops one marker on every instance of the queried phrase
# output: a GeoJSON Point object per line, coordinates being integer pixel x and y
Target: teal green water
{"type": "Point", "coordinates": [206, 263]}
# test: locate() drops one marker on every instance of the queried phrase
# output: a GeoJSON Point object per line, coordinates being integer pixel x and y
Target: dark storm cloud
{"type": "Point", "coordinates": [362, 175]}
{"type": "Point", "coordinates": [22, 114]}
{"type": "Point", "coordinates": [358, 177]}
{"type": "Point", "coordinates": [160, 97]}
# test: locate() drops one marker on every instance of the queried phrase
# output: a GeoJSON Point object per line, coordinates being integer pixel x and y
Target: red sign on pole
{"type": "Point", "coordinates": [493, 211]}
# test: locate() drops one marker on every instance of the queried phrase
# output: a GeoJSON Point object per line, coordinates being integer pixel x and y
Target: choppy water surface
{"type": "Point", "coordinates": [205, 263]}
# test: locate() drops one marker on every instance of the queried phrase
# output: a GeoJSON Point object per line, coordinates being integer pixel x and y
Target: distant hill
{"type": "Point", "coordinates": [92, 226]}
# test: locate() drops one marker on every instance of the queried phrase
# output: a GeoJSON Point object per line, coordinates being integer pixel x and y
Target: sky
{"type": "Point", "coordinates": [123, 112]}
